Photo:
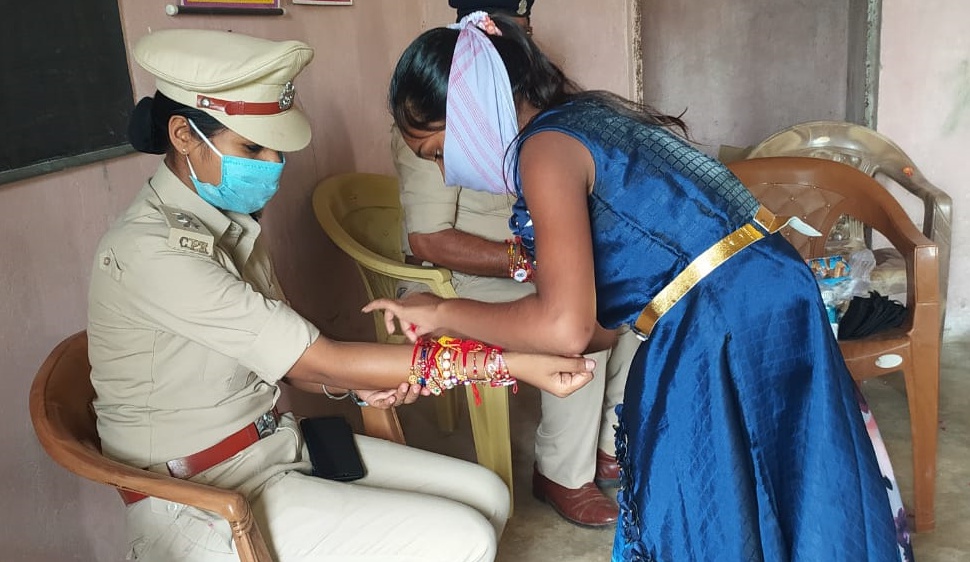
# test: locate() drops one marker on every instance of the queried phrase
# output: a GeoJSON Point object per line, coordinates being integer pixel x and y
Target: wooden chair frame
{"type": "Point", "coordinates": [820, 191]}
{"type": "Point", "coordinates": [874, 154]}
{"type": "Point", "coordinates": [66, 426]}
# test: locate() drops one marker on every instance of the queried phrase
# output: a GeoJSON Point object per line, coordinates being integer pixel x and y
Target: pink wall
{"type": "Point", "coordinates": [924, 106]}
{"type": "Point", "coordinates": [50, 225]}
{"type": "Point", "coordinates": [48, 232]}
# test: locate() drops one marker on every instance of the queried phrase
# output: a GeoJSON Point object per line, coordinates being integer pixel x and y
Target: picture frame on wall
{"type": "Point", "coordinates": [325, 2]}
{"type": "Point", "coordinates": [234, 4]}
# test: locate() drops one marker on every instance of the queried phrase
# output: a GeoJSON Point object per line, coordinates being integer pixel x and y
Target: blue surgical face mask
{"type": "Point", "coordinates": [246, 186]}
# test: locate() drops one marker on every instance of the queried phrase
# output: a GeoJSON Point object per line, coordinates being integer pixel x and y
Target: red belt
{"type": "Point", "coordinates": [187, 467]}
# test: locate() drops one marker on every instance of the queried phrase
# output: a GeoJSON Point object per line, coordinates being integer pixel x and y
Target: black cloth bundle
{"type": "Point", "coordinates": [868, 315]}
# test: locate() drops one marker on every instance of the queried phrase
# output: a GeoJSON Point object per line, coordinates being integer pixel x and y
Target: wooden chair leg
{"type": "Point", "coordinates": [250, 545]}
{"type": "Point", "coordinates": [446, 409]}
{"type": "Point", "coordinates": [923, 395]}
{"type": "Point", "coordinates": [383, 424]}
{"type": "Point", "coordinates": [490, 429]}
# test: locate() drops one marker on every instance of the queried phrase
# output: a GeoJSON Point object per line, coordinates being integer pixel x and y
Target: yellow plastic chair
{"type": "Point", "coordinates": [361, 213]}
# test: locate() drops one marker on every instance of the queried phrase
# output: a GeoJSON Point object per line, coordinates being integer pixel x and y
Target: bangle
{"type": "Point", "coordinates": [357, 400]}
{"type": "Point", "coordinates": [331, 396]}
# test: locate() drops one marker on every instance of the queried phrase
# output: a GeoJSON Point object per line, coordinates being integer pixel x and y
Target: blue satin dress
{"type": "Point", "coordinates": [740, 436]}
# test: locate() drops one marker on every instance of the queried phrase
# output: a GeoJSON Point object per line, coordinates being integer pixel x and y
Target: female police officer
{"type": "Point", "coordinates": [190, 336]}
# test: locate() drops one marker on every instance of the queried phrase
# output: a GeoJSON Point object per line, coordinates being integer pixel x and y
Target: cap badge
{"type": "Point", "coordinates": [287, 95]}
{"type": "Point", "coordinates": [523, 7]}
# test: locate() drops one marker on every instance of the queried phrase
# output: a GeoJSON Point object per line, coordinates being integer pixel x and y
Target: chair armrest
{"type": "Point", "coordinates": [922, 270]}
{"type": "Point", "coordinates": [438, 279]}
{"type": "Point", "coordinates": [428, 275]}
{"type": "Point", "coordinates": [925, 270]}
{"type": "Point", "coordinates": [368, 259]}
{"type": "Point", "coordinates": [937, 222]}
{"type": "Point", "coordinates": [937, 204]}
{"type": "Point", "coordinates": [903, 234]}
{"type": "Point", "coordinates": [88, 463]}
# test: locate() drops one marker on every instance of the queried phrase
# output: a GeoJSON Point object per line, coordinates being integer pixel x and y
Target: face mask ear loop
{"type": "Point", "coordinates": [203, 137]}
{"type": "Point", "coordinates": [191, 169]}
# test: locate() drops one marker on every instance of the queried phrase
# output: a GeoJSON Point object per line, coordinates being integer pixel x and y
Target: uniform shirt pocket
{"type": "Point", "coordinates": [226, 372]}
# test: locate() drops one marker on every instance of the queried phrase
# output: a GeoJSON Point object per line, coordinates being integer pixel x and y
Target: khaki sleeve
{"type": "Point", "coordinates": [429, 206]}
{"type": "Point", "coordinates": [197, 298]}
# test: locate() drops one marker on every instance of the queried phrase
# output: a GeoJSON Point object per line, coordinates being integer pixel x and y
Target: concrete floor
{"type": "Point", "coordinates": [537, 534]}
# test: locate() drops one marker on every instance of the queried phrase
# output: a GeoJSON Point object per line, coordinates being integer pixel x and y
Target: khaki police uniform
{"type": "Point", "coordinates": [189, 336]}
{"type": "Point", "coordinates": [570, 429]}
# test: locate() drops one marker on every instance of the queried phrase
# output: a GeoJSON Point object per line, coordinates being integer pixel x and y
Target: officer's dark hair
{"type": "Point", "coordinates": [148, 125]}
{"type": "Point", "coordinates": [419, 87]}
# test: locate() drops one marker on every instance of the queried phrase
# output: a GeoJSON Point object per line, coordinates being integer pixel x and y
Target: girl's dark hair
{"type": "Point", "coordinates": [148, 125]}
{"type": "Point", "coordinates": [419, 86]}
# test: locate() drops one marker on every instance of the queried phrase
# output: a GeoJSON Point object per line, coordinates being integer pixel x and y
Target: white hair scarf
{"type": "Point", "coordinates": [481, 121]}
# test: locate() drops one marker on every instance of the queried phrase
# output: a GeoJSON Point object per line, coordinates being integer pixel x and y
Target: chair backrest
{"type": "Point", "coordinates": [361, 213]}
{"type": "Point", "coordinates": [368, 209]}
{"type": "Point", "coordinates": [855, 145]}
{"type": "Point", "coordinates": [820, 191]}
{"type": "Point", "coordinates": [875, 155]}
{"type": "Point", "coordinates": [60, 404]}
{"type": "Point", "coordinates": [66, 426]}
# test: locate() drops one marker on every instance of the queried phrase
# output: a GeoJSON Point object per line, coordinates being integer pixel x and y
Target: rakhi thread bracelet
{"type": "Point", "coordinates": [521, 267]}
{"type": "Point", "coordinates": [441, 364]}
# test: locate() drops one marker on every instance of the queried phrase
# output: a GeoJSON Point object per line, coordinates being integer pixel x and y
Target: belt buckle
{"type": "Point", "coordinates": [266, 424]}
{"type": "Point", "coordinates": [636, 332]}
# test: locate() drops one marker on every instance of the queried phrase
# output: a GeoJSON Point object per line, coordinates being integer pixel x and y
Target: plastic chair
{"type": "Point", "coordinates": [361, 213]}
{"type": "Point", "coordinates": [820, 191]}
{"type": "Point", "coordinates": [65, 423]}
{"type": "Point", "coordinates": [876, 155]}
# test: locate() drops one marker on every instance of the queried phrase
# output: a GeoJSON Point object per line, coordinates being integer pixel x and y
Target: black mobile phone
{"type": "Point", "coordinates": [333, 451]}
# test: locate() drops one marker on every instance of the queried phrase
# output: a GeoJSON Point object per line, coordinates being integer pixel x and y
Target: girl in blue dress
{"type": "Point", "coordinates": [741, 436]}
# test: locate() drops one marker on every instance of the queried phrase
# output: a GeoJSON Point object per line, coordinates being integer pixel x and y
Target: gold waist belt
{"type": "Point", "coordinates": [708, 261]}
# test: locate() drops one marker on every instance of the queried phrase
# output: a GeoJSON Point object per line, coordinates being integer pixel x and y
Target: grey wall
{"type": "Point", "coordinates": [744, 69]}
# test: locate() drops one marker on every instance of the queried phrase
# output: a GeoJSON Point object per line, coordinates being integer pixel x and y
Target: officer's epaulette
{"type": "Point", "coordinates": [186, 232]}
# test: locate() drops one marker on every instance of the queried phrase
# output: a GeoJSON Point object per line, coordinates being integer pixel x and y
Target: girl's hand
{"type": "Point", "coordinates": [560, 376]}
{"type": "Point", "coordinates": [385, 399]}
{"type": "Point", "coordinates": [415, 313]}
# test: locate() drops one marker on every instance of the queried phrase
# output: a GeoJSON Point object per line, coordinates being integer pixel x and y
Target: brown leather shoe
{"type": "Point", "coordinates": [585, 506]}
{"type": "Point", "coordinates": [607, 470]}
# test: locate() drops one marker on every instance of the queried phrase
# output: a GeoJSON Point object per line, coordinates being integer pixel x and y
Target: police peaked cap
{"type": "Point", "coordinates": [244, 82]}
{"type": "Point", "coordinates": [520, 8]}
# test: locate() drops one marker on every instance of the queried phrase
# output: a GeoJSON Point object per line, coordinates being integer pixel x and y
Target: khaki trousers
{"type": "Point", "coordinates": [571, 428]}
{"type": "Point", "coordinates": [413, 506]}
